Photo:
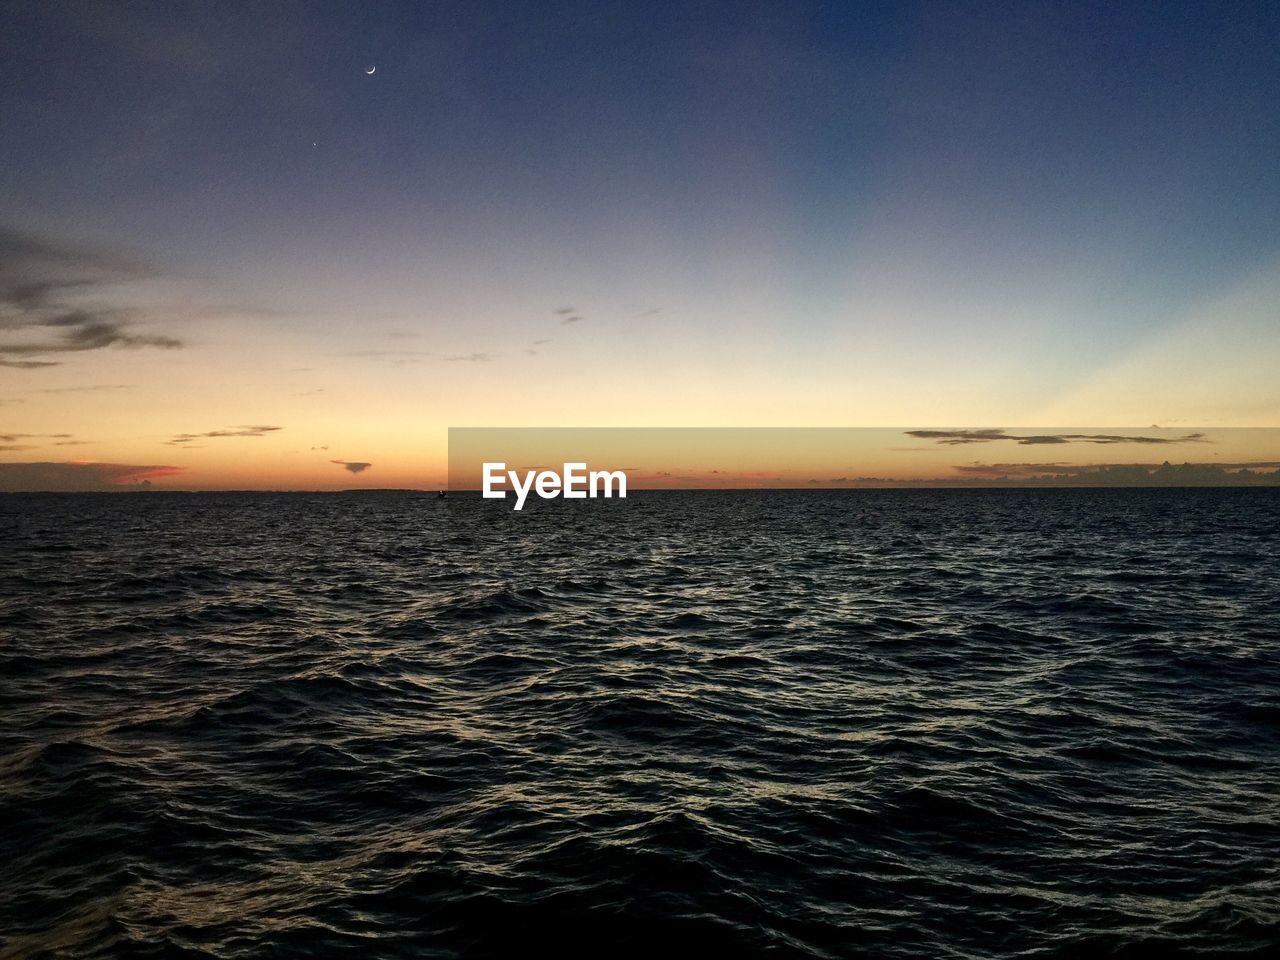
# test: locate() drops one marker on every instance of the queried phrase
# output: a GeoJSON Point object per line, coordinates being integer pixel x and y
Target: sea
{"type": "Point", "coordinates": [855, 723]}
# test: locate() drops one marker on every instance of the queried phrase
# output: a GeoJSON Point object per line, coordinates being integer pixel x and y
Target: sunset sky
{"type": "Point", "coordinates": [232, 256]}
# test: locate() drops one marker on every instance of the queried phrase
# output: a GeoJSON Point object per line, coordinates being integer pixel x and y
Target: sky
{"type": "Point", "coordinates": [233, 257]}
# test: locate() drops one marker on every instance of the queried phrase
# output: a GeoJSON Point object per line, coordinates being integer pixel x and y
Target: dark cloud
{"type": "Point", "coordinates": [355, 466]}
{"type": "Point", "coordinates": [1059, 475]}
{"type": "Point", "coordinates": [1256, 473]}
{"type": "Point", "coordinates": [414, 356]}
{"type": "Point", "coordinates": [958, 437]}
{"type": "Point", "coordinates": [1011, 469]}
{"type": "Point", "coordinates": [568, 315]}
{"type": "Point", "coordinates": [80, 477]}
{"type": "Point", "coordinates": [1109, 438]}
{"type": "Point", "coordinates": [33, 270]}
{"type": "Point", "coordinates": [11, 442]}
{"type": "Point", "coordinates": [95, 388]}
{"type": "Point", "coordinates": [51, 302]}
{"type": "Point", "coordinates": [11, 437]}
{"type": "Point", "coordinates": [86, 329]}
{"type": "Point", "coordinates": [241, 431]}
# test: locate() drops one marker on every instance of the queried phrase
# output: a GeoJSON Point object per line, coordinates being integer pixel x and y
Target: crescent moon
{"type": "Point", "coordinates": [369, 70]}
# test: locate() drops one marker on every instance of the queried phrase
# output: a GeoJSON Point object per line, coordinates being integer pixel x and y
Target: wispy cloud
{"type": "Point", "coordinates": [241, 431]}
{"type": "Point", "coordinates": [960, 437]}
{"type": "Point", "coordinates": [1012, 469]}
{"type": "Point", "coordinates": [380, 355]}
{"type": "Point", "coordinates": [58, 299]}
{"type": "Point", "coordinates": [93, 388]}
{"type": "Point", "coordinates": [1260, 473]}
{"type": "Point", "coordinates": [480, 357]}
{"type": "Point", "coordinates": [1126, 474]}
{"type": "Point", "coordinates": [11, 437]}
{"type": "Point", "coordinates": [12, 442]}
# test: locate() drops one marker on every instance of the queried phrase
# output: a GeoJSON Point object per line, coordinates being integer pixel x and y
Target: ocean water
{"type": "Point", "coordinates": [824, 724]}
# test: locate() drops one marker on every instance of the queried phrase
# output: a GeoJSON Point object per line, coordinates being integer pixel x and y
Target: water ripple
{"type": "Point", "coordinates": [829, 724]}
